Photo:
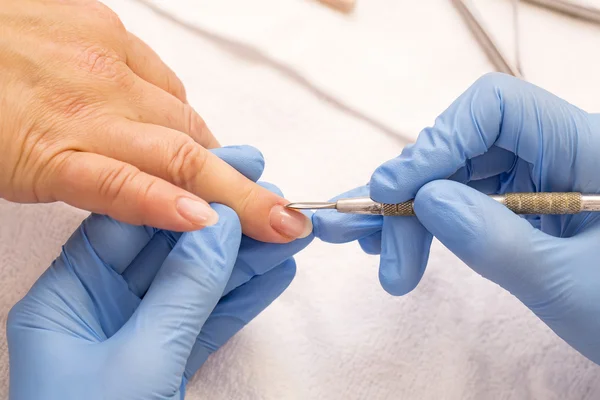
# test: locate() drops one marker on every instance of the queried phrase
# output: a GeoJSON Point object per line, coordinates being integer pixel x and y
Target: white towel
{"type": "Point", "coordinates": [327, 98]}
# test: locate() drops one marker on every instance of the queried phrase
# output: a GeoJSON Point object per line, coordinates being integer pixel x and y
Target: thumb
{"type": "Point", "coordinates": [488, 237]}
{"type": "Point", "coordinates": [184, 293]}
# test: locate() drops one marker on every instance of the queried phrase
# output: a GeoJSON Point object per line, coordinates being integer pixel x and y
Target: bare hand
{"type": "Point", "coordinates": [90, 115]}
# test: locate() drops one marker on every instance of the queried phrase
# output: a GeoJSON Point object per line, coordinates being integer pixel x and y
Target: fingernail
{"type": "Point", "coordinates": [197, 212]}
{"type": "Point", "coordinates": [291, 224]}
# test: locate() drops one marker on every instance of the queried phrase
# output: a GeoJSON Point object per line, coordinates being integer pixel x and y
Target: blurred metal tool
{"type": "Point", "coordinates": [517, 35]}
{"type": "Point", "coordinates": [570, 8]}
{"type": "Point", "coordinates": [485, 40]}
{"type": "Point", "coordinates": [340, 5]}
{"type": "Point", "coordinates": [519, 203]}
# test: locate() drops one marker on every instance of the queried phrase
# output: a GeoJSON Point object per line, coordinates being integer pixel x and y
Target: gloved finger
{"type": "Point", "coordinates": [142, 271]}
{"type": "Point", "coordinates": [184, 293]}
{"type": "Point", "coordinates": [489, 238]}
{"type": "Point", "coordinates": [83, 280]}
{"type": "Point", "coordinates": [371, 244]}
{"type": "Point", "coordinates": [404, 254]}
{"type": "Point", "coordinates": [494, 162]}
{"type": "Point", "coordinates": [497, 110]}
{"type": "Point", "coordinates": [258, 258]}
{"type": "Point", "coordinates": [115, 243]}
{"type": "Point", "coordinates": [333, 227]}
{"type": "Point", "coordinates": [236, 310]}
{"type": "Point", "coordinates": [487, 186]}
{"type": "Point", "coordinates": [247, 160]}
{"type": "Point", "coordinates": [272, 188]}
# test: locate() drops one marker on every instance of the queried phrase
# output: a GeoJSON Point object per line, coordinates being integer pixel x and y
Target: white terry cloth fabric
{"type": "Point", "coordinates": [327, 98]}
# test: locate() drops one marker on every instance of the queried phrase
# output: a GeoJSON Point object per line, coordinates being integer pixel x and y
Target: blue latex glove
{"type": "Point", "coordinates": [130, 312]}
{"type": "Point", "coordinates": [502, 135]}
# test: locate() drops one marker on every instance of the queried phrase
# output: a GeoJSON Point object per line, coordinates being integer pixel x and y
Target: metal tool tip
{"type": "Point", "coordinates": [311, 206]}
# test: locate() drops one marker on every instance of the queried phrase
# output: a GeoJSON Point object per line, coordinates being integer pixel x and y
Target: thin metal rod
{"type": "Point", "coordinates": [517, 36]}
{"type": "Point", "coordinates": [520, 203]}
{"type": "Point", "coordinates": [312, 206]}
{"type": "Point", "coordinates": [485, 40]}
{"type": "Point", "coordinates": [570, 8]}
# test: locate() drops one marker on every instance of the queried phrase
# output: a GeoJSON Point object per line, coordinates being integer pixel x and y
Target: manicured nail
{"type": "Point", "coordinates": [291, 224]}
{"type": "Point", "coordinates": [197, 212]}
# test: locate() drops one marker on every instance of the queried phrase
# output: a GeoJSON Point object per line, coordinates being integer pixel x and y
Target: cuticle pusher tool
{"type": "Point", "coordinates": [549, 203]}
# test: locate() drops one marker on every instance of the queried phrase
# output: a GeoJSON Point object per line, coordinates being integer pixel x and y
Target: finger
{"type": "Point", "coordinates": [333, 227]}
{"type": "Point", "coordinates": [236, 310]}
{"type": "Point", "coordinates": [257, 258]}
{"type": "Point", "coordinates": [497, 110]}
{"type": "Point", "coordinates": [141, 272]}
{"type": "Point", "coordinates": [106, 186]}
{"type": "Point", "coordinates": [247, 160]}
{"type": "Point", "coordinates": [146, 64]}
{"type": "Point", "coordinates": [184, 293]}
{"type": "Point", "coordinates": [95, 256]}
{"type": "Point", "coordinates": [487, 186]}
{"type": "Point", "coordinates": [489, 238]}
{"type": "Point", "coordinates": [176, 158]}
{"type": "Point", "coordinates": [404, 254]}
{"type": "Point", "coordinates": [494, 162]}
{"type": "Point", "coordinates": [153, 105]}
{"type": "Point", "coordinates": [116, 243]}
{"type": "Point", "coordinates": [371, 244]}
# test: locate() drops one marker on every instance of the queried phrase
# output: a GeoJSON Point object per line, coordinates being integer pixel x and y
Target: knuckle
{"type": "Point", "coordinates": [108, 15]}
{"type": "Point", "coordinates": [246, 198]}
{"type": "Point", "coordinates": [100, 60]}
{"type": "Point", "coordinates": [188, 161]}
{"type": "Point", "coordinates": [104, 63]}
{"type": "Point", "coordinates": [113, 181]}
{"type": "Point", "coordinates": [58, 172]}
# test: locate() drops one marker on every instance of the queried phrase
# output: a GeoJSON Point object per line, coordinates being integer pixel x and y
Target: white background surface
{"type": "Point", "coordinates": [327, 98]}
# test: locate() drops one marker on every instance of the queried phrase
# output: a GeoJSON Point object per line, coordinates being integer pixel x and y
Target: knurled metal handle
{"type": "Point", "coordinates": [519, 203]}
{"type": "Point", "coordinates": [543, 203]}
{"type": "Point", "coordinates": [398, 210]}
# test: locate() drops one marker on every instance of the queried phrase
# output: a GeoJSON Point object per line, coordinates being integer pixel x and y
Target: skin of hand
{"type": "Point", "coordinates": [502, 135]}
{"type": "Point", "coordinates": [131, 312]}
{"type": "Point", "coordinates": [91, 116]}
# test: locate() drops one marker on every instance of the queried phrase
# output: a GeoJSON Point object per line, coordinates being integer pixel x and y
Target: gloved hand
{"type": "Point", "coordinates": [502, 135]}
{"type": "Point", "coordinates": [130, 312]}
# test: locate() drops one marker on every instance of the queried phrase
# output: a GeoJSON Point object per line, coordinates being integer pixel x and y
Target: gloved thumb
{"type": "Point", "coordinates": [183, 294]}
{"type": "Point", "coordinates": [492, 240]}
